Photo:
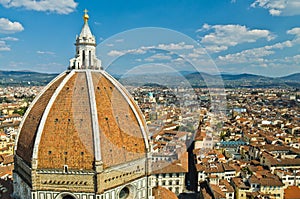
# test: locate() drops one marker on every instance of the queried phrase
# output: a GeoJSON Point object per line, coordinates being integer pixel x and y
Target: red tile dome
{"type": "Point", "coordinates": [81, 117]}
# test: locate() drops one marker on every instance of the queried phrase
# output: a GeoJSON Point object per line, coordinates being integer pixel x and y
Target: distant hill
{"type": "Point", "coordinates": [23, 78]}
{"type": "Point", "coordinates": [244, 80]}
{"type": "Point", "coordinates": [292, 77]}
{"type": "Point", "coordinates": [243, 76]}
{"type": "Point", "coordinates": [195, 79]}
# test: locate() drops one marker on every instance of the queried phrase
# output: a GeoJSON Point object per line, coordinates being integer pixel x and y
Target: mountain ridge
{"type": "Point", "coordinates": [196, 79]}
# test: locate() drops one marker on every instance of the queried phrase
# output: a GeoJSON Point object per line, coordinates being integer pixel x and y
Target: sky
{"type": "Point", "coordinates": [237, 36]}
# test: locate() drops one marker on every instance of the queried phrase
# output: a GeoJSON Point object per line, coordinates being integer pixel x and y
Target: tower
{"type": "Point", "coordinates": [85, 57]}
{"type": "Point", "coordinates": [83, 137]}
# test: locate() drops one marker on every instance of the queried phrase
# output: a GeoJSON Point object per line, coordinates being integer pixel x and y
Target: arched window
{"type": "Point", "coordinates": [90, 59]}
{"type": "Point", "coordinates": [83, 59]}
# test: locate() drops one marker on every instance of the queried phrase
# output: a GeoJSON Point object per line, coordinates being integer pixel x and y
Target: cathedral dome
{"type": "Point", "coordinates": [81, 117]}
{"type": "Point", "coordinates": [83, 136]}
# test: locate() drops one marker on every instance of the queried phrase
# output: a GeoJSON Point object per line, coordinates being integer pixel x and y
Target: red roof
{"type": "Point", "coordinates": [292, 192]}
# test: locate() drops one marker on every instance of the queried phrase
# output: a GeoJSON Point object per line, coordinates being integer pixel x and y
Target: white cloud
{"type": "Point", "coordinates": [275, 12]}
{"type": "Point", "coordinates": [205, 27]}
{"type": "Point", "coordinates": [294, 31]}
{"type": "Point", "coordinates": [197, 52]}
{"type": "Point", "coordinates": [9, 39]}
{"type": "Point", "coordinates": [57, 6]}
{"type": "Point", "coordinates": [245, 56]}
{"type": "Point", "coordinates": [221, 37]}
{"type": "Point", "coordinates": [289, 60]}
{"type": "Point", "coordinates": [286, 64]}
{"type": "Point", "coordinates": [255, 55]}
{"type": "Point", "coordinates": [279, 7]}
{"type": "Point", "coordinates": [119, 40]}
{"type": "Point", "coordinates": [142, 50]}
{"type": "Point", "coordinates": [296, 58]}
{"type": "Point", "coordinates": [179, 59]}
{"type": "Point", "coordinates": [3, 46]}
{"type": "Point", "coordinates": [158, 56]}
{"type": "Point", "coordinates": [45, 52]}
{"type": "Point", "coordinates": [281, 45]}
{"type": "Point", "coordinates": [9, 27]}
{"type": "Point", "coordinates": [172, 46]}
{"type": "Point", "coordinates": [193, 55]}
{"type": "Point", "coordinates": [215, 48]}
{"type": "Point", "coordinates": [115, 53]}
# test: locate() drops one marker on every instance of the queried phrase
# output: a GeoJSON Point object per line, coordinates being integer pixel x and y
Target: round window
{"type": "Point", "coordinates": [124, 193]}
